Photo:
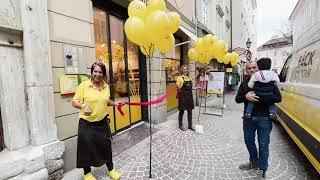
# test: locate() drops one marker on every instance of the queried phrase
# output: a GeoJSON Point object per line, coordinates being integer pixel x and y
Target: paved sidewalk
{"type": "Point", "coordinates": [215, 154]}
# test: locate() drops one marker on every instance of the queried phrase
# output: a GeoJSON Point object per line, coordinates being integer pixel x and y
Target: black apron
{"type": "Point", "coordinates": [185, 96]}
{"type": "Point", "coordinates": [94, 143]}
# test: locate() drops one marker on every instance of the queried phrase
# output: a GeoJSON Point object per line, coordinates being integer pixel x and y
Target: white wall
{"type": "Point", "coordinates": [244, 25]}
{"type": "Point", "coordinates": [277, 56]}
{"type": "Point", "coordinates": [216, 24]}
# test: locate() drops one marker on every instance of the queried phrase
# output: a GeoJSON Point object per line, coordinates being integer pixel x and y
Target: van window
{"type": "Point", "coordinates": [284, 72]}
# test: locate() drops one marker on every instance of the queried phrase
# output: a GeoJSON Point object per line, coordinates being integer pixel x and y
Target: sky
{"type": "Point", "coordinates": [272, 15]}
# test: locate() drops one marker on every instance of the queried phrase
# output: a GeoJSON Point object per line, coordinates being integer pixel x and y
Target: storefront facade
{"type": "Point", "coordinates": [61, 41]}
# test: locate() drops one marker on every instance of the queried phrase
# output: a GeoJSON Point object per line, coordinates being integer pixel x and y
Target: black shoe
{"type": "Point", "coordinates": [262, 172]}
{"type": "Point", "coordinates": [191, 128]}
{"type": "Point", "coordinates": [247, 115]}
{"type": "Point", "coordinates": [248, 166]}
{"type": "Point", "coordinates": [182, 128]}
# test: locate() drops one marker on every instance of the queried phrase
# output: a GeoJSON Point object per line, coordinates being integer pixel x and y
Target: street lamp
{"type": "Point", "coordinates": [248, 43]}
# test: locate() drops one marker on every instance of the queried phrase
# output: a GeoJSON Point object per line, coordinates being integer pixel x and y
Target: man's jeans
{"type": "Point", "coordinates": [263, 126]}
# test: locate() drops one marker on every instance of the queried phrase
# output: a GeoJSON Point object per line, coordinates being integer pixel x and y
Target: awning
{"type": "Point", "coordinates": [192, 36]}
{"type": "Point", "coordinates": [189, 33]}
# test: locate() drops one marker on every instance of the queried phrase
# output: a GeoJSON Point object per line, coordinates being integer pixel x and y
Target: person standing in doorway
{"type": "Point", "coordinates": [258, 122]}
{"type": "Point", "coordinates": [185, 97]}
{"type": "Point", "coordinates": [94, 144]}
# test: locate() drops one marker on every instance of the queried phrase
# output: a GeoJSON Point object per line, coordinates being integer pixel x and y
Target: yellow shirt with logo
{"type": "Point", "coordinates": [97, 100]}
{"type": "Point", "coordinates": [180, 80]}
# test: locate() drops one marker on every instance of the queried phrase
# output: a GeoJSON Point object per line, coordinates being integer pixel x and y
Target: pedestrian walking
{"type": "Point", "coordinates": [258, 122]}
{"type": "Point", "coordinates": [94, 144]}
{"type": "Point", "coordinates": [185, 97]}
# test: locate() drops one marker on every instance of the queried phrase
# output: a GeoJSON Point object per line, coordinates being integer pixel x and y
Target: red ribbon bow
{"type": "Point", "coordinates": [156, 101]}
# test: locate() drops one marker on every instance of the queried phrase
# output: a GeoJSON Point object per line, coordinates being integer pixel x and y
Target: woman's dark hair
{"type": "Point", "coordinates": [264, 63]}
{"type": "Point", "coordinates": [102, 66]}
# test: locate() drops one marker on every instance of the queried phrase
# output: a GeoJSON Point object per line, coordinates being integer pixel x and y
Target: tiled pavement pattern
{"type": "Point", "coordinates": [215, 154]}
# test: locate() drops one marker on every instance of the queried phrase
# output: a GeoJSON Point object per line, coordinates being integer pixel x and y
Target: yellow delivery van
{"type": "Point", "coordinates": [299, 111]}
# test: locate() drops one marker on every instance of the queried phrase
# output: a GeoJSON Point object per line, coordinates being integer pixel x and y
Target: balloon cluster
{"type": "Point", "coordinates": [150, 26]}
{"type": "Point", "coordinates": [208, 48]}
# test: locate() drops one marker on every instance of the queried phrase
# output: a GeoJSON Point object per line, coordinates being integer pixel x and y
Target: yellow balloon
{"type": "Point", "coordinates": [212, 52]}
{"type": "Point", "coordinates": [193, 55]}
{"type": "Point", "coordinates": [219, 60]}
{"type": "Point", "coordinates": [233, 63]}
{"type": "Point", "coordinates": [201, 58]}
{"type": "Point", "coordinates": [219, 46]}
{"type": "Point", "coordinates": [165, 44]}
{"type": "Point", "coordinates": [226, 48]}
{"type": "Point", "coordinates": [209, 40]}
{"type": "Point", "coordinates": [154, 5]}
{"type": "Point", "coordinates": [157, 26]}
{"type": "Point", "coordinates": [135, 29]}
{"type": "Point", "coordinates": [174, 20]}
{"type": "Point", "coordinates": [147, 48]}
{"type": "Point", "coordinates": [200, 46]}
{"type": "Point", "coordinates": [137, 8]}
{"type": "Point", "coordinates": [226, 59]}
{"type": "Point", "coordinates": [234, 57]}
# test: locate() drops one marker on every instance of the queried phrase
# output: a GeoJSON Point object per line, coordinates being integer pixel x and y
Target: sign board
{"type": "Point", "coordinates": [229, 70]}
{"type": "Point", "coordinates": [70, 83]}
{"type": "Point", "coordinates": [216, 83]}
{"type": "Point", "coordinates": [248, 55]}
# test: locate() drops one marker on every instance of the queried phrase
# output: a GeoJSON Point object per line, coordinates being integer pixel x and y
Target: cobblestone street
{"type": "Point", "coordinates": [215, 154]}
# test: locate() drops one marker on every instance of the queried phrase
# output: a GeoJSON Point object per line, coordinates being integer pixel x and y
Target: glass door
{"type": "Point", "coordinates": [121, 58]}
{"type": "Point", "coordinates": [119, 70]}
{"type": "Point", "coordinates": [102, 51]}
{"type": "Point", "coordinates": [134, 80]}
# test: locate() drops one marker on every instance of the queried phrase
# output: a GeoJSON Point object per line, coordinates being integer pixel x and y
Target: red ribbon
{"type": "Point", "coordinates": [156, 101]}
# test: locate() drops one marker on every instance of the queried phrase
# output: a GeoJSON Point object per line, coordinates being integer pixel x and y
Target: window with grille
{"type": "Point", "coordinates": [204, 12]}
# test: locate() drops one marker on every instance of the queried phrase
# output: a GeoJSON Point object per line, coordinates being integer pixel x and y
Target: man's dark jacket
{"type": "Point", "coordinates": [261, 107]}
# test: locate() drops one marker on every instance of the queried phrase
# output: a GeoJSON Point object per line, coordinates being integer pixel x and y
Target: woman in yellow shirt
{"type": "Point", "coordinates": [184, 84]}
{"type": "Point", "coordinates": [94, 145]}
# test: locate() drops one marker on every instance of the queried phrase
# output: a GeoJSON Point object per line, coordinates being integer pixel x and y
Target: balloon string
{"type": "Point", "coordinates": [156, 101]}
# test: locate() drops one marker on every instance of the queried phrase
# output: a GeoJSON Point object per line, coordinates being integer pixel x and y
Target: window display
{"type": "Point", "coordinates": [172, 63]}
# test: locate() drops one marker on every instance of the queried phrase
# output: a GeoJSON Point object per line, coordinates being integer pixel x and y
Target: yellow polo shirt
{"type": "Point", "coordinates": [97, 100]}
{"type": "Point", "coordinates": [180, 80]}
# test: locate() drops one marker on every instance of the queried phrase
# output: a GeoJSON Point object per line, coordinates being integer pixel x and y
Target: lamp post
{"type": "Point", "coordinates": [248, 55]}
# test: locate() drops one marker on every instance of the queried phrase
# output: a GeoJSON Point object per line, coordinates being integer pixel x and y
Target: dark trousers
{"type": "Point", "coordinates": [181, 112]}
{"type": "Point", "coordinates": [263, 126]}
{"type": "Point", "coordinates": [109, 165]}
{"type": "Point", "coordinates": [272, 108]}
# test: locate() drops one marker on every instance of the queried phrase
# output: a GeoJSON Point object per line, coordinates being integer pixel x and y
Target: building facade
{"type": "Point", "coordinates": [278, 50]}
{"type": "Point", "coordinates": [244, 25]}
{"type": "Point", "coordinates": [48, 48]}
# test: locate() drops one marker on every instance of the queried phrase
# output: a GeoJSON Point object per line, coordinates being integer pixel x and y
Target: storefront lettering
{"type": "Point", "coordinates": [304, 73]}
{"type": "Point", "coordinates": [304, 67]}
{"type": "Point", "coordinates": [306, 60]}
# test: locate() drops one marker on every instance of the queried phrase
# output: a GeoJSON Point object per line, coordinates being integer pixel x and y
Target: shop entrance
{"type": "Point", "coordinates": [121, 58]}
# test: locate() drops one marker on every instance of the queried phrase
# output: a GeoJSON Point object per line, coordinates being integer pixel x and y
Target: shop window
{"type": "Point", "coordinates": [172, 66]}
{"type": "Point", "coordinates": [172, 63]}
{"type": "Point", "coordinates": [101, 44]}
{"type": "Point", "coordinates": [1, 134]}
